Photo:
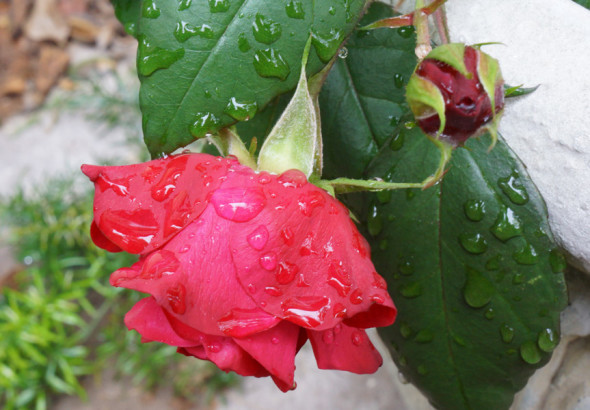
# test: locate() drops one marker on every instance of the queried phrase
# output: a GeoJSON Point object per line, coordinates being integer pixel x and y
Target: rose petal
{"type": "Point", "coordinates": [140, 207]}
{"type": "Point", "coordinates": [310, 265]}
{"type": "Point", "coordinates": [345, 348]}
{"type": "Point", "coordinates": [275, 350]}
{"type": "Point", "coordinates": [193, 278]}
{"type": "Point", "coordinates": [148, 319]}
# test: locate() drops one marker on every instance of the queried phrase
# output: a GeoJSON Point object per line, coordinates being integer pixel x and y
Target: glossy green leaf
{"type": "Point", "coordinates": [583, 3]}
{"type": "Point", "coordinates": [471, 263]}
{"type": "Point", "coordinates": [204, 65]}
{"type": "Point", "coordinates": [128, 13]}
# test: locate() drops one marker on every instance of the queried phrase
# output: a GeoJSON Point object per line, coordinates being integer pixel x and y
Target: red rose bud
{"type": "Point", "coordinates": [241, 267]}
{"type": "Point", "coordinates": [452, 92]}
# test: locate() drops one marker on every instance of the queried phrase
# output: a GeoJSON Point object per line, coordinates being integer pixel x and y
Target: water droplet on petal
{"type": "Point", "coordinates": [273, 291]}
{"type": "Point", "coordinates": [214, 347]}
{"type": "Point", "coordinates": [275, 340]}
{"type": "Point", "coordinates": [176, 298]}
{"type": "Point", "coordinates": [238, 204]}
{"type": "Point", "coordinates": [356, 297]}
{"type": "Point", "coordinates": [339, 278]}
{"type": "Point", "coordinates": [244, 322]}
{"type": "Point", "coordinates": [292, 178]}
{"type": "Point", "coordinates": [167, 183]}
{"type": "Point", "coordinates": [258, 238]}
{"type": "Point", "coordinates": [268, 261]}
{"type": "Point", "coordinates": [306, 311]}
{"type": "Point", "coordinates": [311, 200]}
{"type": "Point", "coordinates": [328, 336]}
{"type": "Point", "coordinates": [286, 273]}
{"type": "Point", "coordinates": [288, 236]}
{"type": "Point", "coordinates": [356, 338]}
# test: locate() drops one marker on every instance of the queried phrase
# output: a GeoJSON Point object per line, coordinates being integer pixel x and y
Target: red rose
{"type": "Point", "coordinates": [242, 267]}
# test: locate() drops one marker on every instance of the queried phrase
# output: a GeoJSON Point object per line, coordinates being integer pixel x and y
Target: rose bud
{"type": "Point", "coordinates": [452, 91]}
{"type": "Point", "coordinates": [241, 267]}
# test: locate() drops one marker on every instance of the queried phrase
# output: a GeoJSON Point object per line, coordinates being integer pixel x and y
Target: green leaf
{"type": "Point", "coordinates": [363, 98]}
{"type": "Point", "coordinates": [468, 263]}
{"type": "Point", "coordinates": [204, 65]}
{"type": "Point", "coordinates": [128, 13]}
{"type": "Point", "coordinates": [583, 3]}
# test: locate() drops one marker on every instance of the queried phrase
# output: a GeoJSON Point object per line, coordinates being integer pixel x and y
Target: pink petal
{"type": "Point", "coordinates": [345, 348]}
{"type": "Point", "coordinates": [275, 350]}
{"type": "Point", "coordinates": [302, 259]}
{"type": "Point", "coordinates": [148, 319]}
{"type": "Point", "coordinates": [140, 207]}
{"type": "Point", "coordinates": [194, 279]}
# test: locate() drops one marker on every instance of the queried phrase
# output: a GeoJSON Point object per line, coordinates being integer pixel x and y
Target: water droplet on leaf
{"type": "Point", "coordinates": [241, 111]}
{"type": "Point", "coordinates": [151, 58]}
{"type": "Point", "coordinates": [474, 210]}
{"type": "Point", "coordinates": [547, 340]}
{"type": "Point", "coordinates": [507, 333]}
{"type": "Point", "coordinates": [557, 261]}
{"type": "Point", "coordinates": [294, 9]}
{"type": "Point", "coordinates": [266, 30]}
{"type": "Point", "coordinates": [411, 290]}
{"type": "Point", "coordinates": [219, 6]}
{"type": "Point", "coordinates": [513, 188]}
{"type": "Point", "coordinates": [478, 290]}
{"type": "Point", "coordinates": [526, 255]}
{"type": "Point", "coordinates": [205, 122]}
{"type": "Point", "coordinates": [473, 243]}
{"type": "Point", "coordinates": [270, 63]}
{"type": "Point", "coordinates": [530, 353]}
{"type": "Point", "coordinates": [507, 225]}
{"type": "Point", "coordinates": [326, 45]}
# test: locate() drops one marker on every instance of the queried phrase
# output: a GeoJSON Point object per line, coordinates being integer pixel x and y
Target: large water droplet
{"type": "Point", "coordinates": [473, 243]}
{"type": "Point", "coordinates": [411, 290]}
{"type": "Point", "coordinates": [241, 111]}
{"type": "Point", "coordinates": [184, 4]}
{"type": "Point", "coordinates": [265, 29]}
{"type": "Point", "coordinates": [406, 31]}
{"type": "Point", "coordinates": [507, 333]}
{"type": "Point", "coordinates": [557, 261]}
{"type": "Point", "coordinates": [176, 297]}
{"type": "Point", "coordinates": [474, 209]}
{"type": "Point", "coordinates": [219, 6]}
{"type": "Point", "coordinates": [547, 340]}
{"type": "Point", "coordinates": [244, 322]}
{"type": "Point", "coordinates": [326, 45]}
{"type": "Point", "coordinates": [132, 230]}
{"type": "Point", "coordinates": [167, 184]}
{"type": "Point", "coordinates": [270, 63]}
{"type": "Point", "coordinates": [286, 273]}
{"type": "Point", "coordinates": [507, 225]}
{"type": "Point", "coordinates": [119, 186]}
{"type": "Point", "coordinates": [151, 58]}
{"type": "Point", "coordinates": [185, 30]}
{"type": "Point", "coordinates": [513, 188]}
{"type": "Point", "coordinates": [530, 353]}
{"type": "Point", "coordinates": [526, 255]}
{"type": "Point", "coordinates": [294, 9]}
{"type": "Point", "coordinates": [150, 10]}
{"type": "Point", "coordinates": [339, 278]}
{"type": "Point", "coordinates": [205, 122]}
{"type": "Point", "coordinates": [478, 289]}
{"type": "Point", "coordinates": [374, 221]}
{"type": "Point", "coordinates": [238, 204]}
{"type": "Point", "coordinates": [424, 336]}
{"type": "Point", "coordinates": [306, 311]}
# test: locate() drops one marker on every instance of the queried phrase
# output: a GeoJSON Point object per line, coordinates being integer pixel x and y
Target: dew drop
{"type": "Point", "coordinates": [292, 178]}
{"type": "Point", "coordinates": [405, 267]}
{"type": "Point", "coordinates": [243, 43]}
{"type": "Point", "coordinates": [473, 243]}
{"type": "Point", "coordinates": [214, 347]}
{"type": "Point", "coordinates": [251, 288]}
{"type": "Point", "coordinates": [328, 336]}
{"type": "Point", "coordinates": [397, 142]}
{"type": "Point", "coordinates": [478, 290]}
{"type": "Point", "coordinates": [326, 45]}
{"type": "Point", "coordinates": [374, 221]}
{"type": "Point", "coordinates": [507, 225]}
{"type": "Point", "coordinates": [241, 111]}
{"type": "Point", "coordinates": [490, 314]}
{"type": "Point", "coordinates": [245, 322]}
{"type": "Point", "coordinates": [311, 200]}
{"type": "Point", "coordinates": [518, 279]}
{"type": "Point", "coordinates": [270, 63]}
{"type": "Point", "coordinates": [204, 123]}
{"type": "Point", "coordinates": [406, 31]}
{"type": "Point", "coordinates": [265, 29]}
{"type": "Point", "coordinates": [526, 255]}
{"type": "Point", "coordinates": [494, 263]}
{"type": "Point", "coordinates": [219, 6]}
{"type": "Point", "coordinates": [238, 204]}
{"type": "Point", "coordinates": [356, 297]}
{"type": "Point", "coordinates": [288, 236]}
{"type": "Point", "coordinates": [176, 298]}
{"type": "Point", "coordinates": [398, 80]}
{"type": "Point", "coordinates": [258, 238]}
{"type": "Point", "coordinates": [557, 261]}
{"type": "Point", "coordinates": [384, 196]}
{"type": "Point", "coordinates": [268, 261]}
{"type": "Point", "coordinates": [184, 4]}
{"type": "Point", "coordinates": [547, 340]}
{"type": "Point", "coordinates": [530, 353]}
{"type": "Point", "coordinates": [275, 340]}
{"type": "Point", "coordinates": [356, 338]}
{"type": "Point", "coordinates": [306, 311]}
{"type": "Point", "coordinates": [119, 186]}
{"type": "Point", "coordinates": [150, 10]}
{"type": "Point", "coordinates": [513, 188]}
{"type": "Point", "coordinates": [286, 273]}
{"type": "Point", "coordinates": [184, 249]}
{"type": "Point", "coordinates": [151, 58]}
{"type": "Point", "coordinates": [507, 333]}
{"type": "Point", "coordinates": [339, 278]}
{"type": "Point", "coordinates": [405, 330]}
{"type": "Point", "coordinates": [294, 10]}
{"type": "Point", "coordinates": [184, 31]}
{"type": "Point", "coordinates": [474, 210]}
{"type": "Point", "coordinates": [424, 336]}
{"type": "Point", "coordinates": [411, 290]}
{"type": "Point", "coordinates": [273, 291]}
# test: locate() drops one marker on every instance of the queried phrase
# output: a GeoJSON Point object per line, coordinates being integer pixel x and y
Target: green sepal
{"type": "Point", "coordinates": [452, 54]}
{"type": "Point", "coordinates": [424, 98]}
{"type": "Point", "coordinates": [232, 144]}
{"type": "Point", "coordinates": [292, 142]}
{"type": "Point", "coordinates": [488, 70]}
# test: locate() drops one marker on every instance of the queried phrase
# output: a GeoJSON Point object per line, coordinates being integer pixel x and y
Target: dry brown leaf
{"type": "Point", "coordinates": [53, 62]}
{"type": "Point", "coordinates": [46, 23]}
{"type": "Point", "coordinates": [83, 30]}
